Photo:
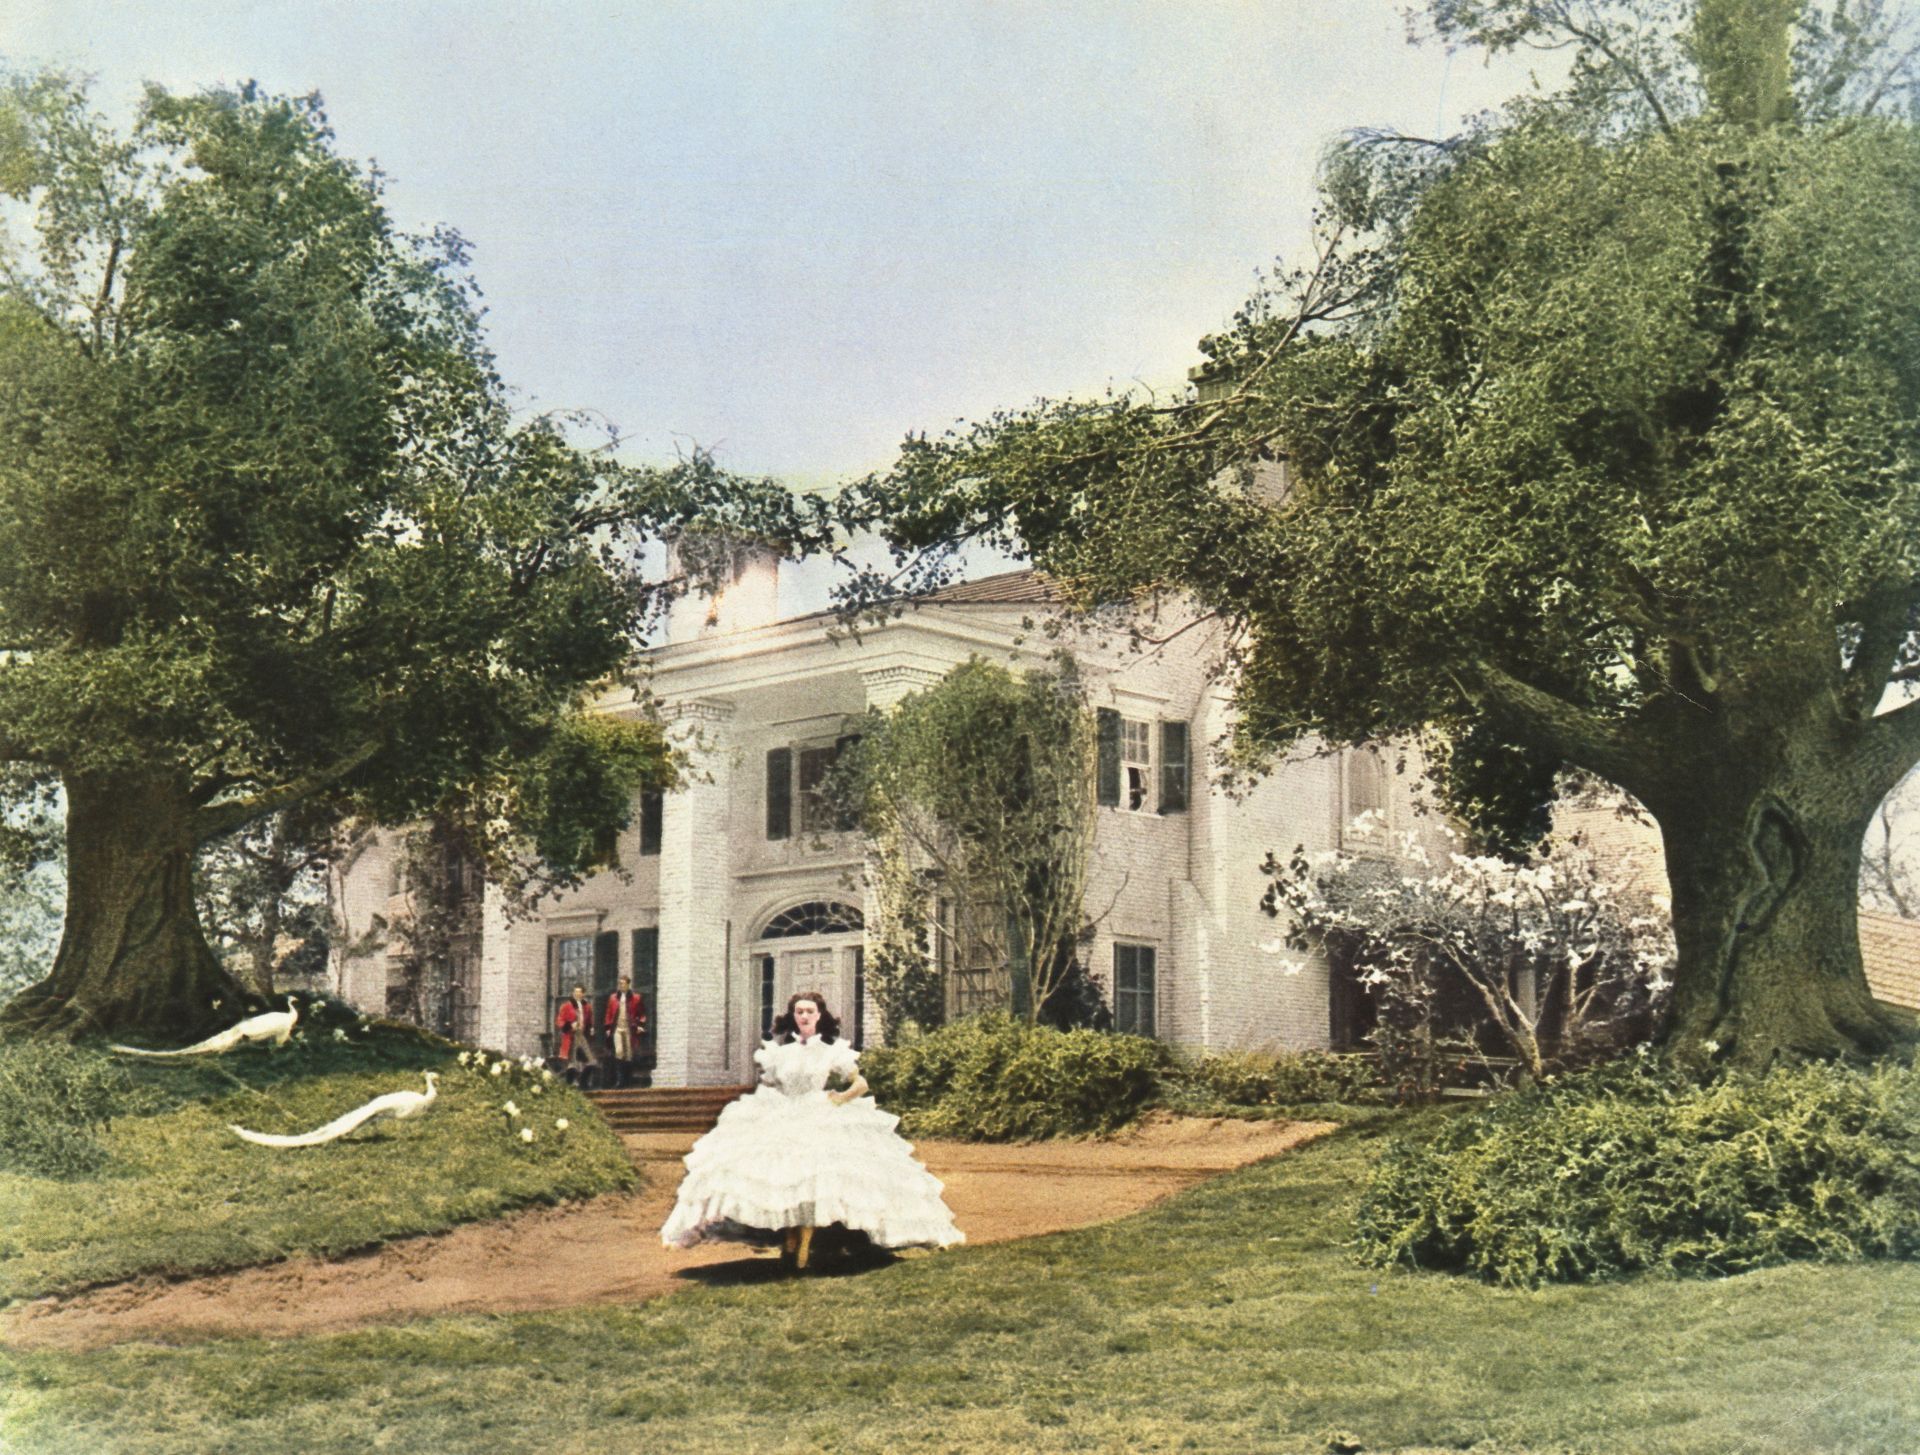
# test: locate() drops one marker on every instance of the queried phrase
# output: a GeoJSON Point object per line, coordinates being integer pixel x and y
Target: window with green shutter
{"type": "Point", "coordinates": [780, 793]}
{"type": "Point", "coordinates": [606, 965]}
{"type": "Point", "coordinates": [1173, 767]}
{"type": "Point", "coordinates": [653, 813]}
{"type": "Point", "coordinates": [1107, 733]}
{"type": "Point", "coordinates": [646, 980]}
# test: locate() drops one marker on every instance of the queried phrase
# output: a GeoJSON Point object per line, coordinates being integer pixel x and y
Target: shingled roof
{"type": "Point", "coordinates": [1010, 588]}
{"type": "Point", "coordinates": [1890, 947]}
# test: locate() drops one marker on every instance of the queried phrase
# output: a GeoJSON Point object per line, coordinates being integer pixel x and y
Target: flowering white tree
{"type": "Point", "coordinates": [1558, 955]}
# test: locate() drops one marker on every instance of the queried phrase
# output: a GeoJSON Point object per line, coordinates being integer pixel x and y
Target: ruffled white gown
{"type": "Point", "coordinates": [784, 1156]}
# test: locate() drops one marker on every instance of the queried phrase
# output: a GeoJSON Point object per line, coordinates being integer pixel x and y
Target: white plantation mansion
{"type": "Point", "coordinates": [738, 889]}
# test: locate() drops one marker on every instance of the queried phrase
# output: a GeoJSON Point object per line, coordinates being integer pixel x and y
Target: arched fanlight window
{"type": "Point", "coordinates": [820, 917]}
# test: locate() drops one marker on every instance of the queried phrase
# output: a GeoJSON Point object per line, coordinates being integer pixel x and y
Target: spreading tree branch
{"type": "Point", "coordinates": [223, 818]}
{"type": "Point", "coordinates": [1577, 734]}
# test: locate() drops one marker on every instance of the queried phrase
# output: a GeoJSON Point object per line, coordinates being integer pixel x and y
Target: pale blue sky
{"type": "Point", "coordinates": [792, 232]}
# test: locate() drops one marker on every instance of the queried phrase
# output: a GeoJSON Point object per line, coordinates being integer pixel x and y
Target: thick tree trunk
{"type": "Point", "coordinates": [133, 962]}
{"type": "Point", "coordinates": [1766, 920]}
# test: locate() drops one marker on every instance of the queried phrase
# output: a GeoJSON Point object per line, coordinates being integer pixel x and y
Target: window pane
{"type": "Point", "coordinates": [815, 765]}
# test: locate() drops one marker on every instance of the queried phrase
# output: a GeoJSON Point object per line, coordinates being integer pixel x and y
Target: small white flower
{"type": "Point", "coordinates": [546, 1076]}
{"type": "Point", "coordinates": [511, 1110]}
{"type": "Point", "coordinates": [526, 1134]}
{"type": "Point", "coordinates": [339, 1034]}
{"type": "Point", "coordinates": [499, 1068]}
{"type": "Point", "coordinates": [561, 1124]}
{"type": "Point", "coordinates": [536, 1088]}
{"type": "Point", "coordinates": [217, 1004]}
{"type": "Point", "coordinates": [1713, 1047]}
{"type": "Point", "coordinates": [1291, 967]}
{"type": "Point", "coordinates": [465, 1056]}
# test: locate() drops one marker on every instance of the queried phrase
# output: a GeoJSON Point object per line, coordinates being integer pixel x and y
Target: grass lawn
{"type": "Point", "coordinates": [183, 1194]}
{"type": "Point", "coordinates": [1227, 1319]}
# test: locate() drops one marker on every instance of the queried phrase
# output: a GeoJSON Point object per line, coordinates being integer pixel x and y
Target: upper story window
{"type": "Point", "coordinates": [799, 777]}
{"type": "Point", "coordinates": [1126, 764]}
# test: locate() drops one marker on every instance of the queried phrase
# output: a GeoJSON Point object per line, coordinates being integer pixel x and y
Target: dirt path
{"type": "Point", "coordinates": [608, 1250]}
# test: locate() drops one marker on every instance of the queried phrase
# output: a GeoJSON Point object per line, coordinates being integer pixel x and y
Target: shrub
{"type": "Point", "coordinates": [1635, 1167]}
{"type": "Point", "coordinates": [1266, 1078]}
{"type": "Point", "coordinates": [996, 1079]}
{"type": "Point", "coordinates": [54, 1101]}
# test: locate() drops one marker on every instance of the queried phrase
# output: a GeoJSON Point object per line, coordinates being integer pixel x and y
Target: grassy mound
{"type": "Point", "coordinates": [174, 1191]}
{"type": "Point", "coordinates": [1634, 1167]}
{"type": "Point", "coordinates": [992, 1078]}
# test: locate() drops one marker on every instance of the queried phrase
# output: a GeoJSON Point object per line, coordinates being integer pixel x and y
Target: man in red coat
{"type": "Point", "coordinates": [624, 1021]}
{"type": "Point", "coordinates": [574, 1021]}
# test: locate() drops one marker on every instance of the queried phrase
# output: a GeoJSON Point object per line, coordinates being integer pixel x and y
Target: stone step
{"type": "Point", "coordinates": [663, 1108]}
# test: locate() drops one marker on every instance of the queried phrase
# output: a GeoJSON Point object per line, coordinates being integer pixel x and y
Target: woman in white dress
{"type": "Point", "coordinates": [792, 1156]}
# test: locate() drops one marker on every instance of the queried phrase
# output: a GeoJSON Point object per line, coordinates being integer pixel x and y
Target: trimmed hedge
{"type": "Point", "coordinates": [1264, 1078]}
{"type": "Point", "coordinates": [1635, 1167]}
{"type": "Point", "coordinates": [996, 1079]}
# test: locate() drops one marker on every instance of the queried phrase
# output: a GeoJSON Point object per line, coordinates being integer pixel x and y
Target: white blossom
{"type": "Point", "coordinates": [510, 1109]}
{"type": "Point", "coordinates": [560, 1124]}
{"type": "Point", "coordinates": [526, 1134]}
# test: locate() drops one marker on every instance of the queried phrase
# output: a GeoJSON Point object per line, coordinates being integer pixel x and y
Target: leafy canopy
{"type": "Point", "coordinates": [1595, 417]}
{"type": "Point", "coordinates": [273, 526]}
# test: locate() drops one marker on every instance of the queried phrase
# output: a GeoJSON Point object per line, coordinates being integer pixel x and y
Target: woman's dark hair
{"type": "Point", "coordinates": [828, 1029]}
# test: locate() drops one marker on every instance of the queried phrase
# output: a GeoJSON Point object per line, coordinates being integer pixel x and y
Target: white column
{"type": "Point", "coordinates": [499, 1016]}
{"type": "Point", "coordinates": [696, 892]}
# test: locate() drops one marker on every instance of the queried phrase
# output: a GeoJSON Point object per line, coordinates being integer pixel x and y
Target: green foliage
{"type": "Point", "coordinates": [995, 1078]}
{"type": "Point", "coordinates": [983, 786]}
{"type": "Point", "coordinates": [55, 1101]}
{"type": "Point", "coordinates": [1634, 1167]}
{"type": "Point", "coordinates": [582, 784]}
{"type": "Point", "coordinates": [1598, 427]}
{"type": "Point", "coordinates": [274, 531]}
{"type": "Point", "coordinates": [1273, 1078]}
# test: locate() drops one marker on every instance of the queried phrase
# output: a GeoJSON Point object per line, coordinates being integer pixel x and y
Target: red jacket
{"type": "Point", "coordinates": [571, 1015]}
{"type": "Point", "coordinates": [636, 1011]}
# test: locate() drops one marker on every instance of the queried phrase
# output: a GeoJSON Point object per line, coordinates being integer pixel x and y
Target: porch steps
{"type": "Point", "coordinates": [663, 1108]}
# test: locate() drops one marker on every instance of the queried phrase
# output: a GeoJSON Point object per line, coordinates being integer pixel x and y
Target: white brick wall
{"type": "Point", "coordinates": [1187, 883]}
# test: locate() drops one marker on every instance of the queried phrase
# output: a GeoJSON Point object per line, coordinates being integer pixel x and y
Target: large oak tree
{"type": "Point", "coordinates": [270, 530]}
{"type": "Point", "coordinates": [1592, 438]}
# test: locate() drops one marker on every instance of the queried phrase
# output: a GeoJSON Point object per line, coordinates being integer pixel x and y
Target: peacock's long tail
{"type": "Point", "coordinates": [225, 1041]}
{"type": "Point", "coordinates": [396, 1102]}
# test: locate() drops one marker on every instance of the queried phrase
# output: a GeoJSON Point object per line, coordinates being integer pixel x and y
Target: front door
{"type": "Point", "coordinates": [780, 971]}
